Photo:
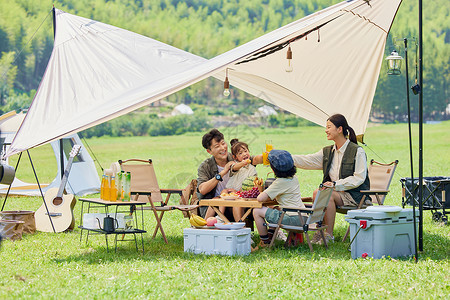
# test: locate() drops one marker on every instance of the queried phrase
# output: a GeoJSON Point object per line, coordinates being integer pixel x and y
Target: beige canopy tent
{"type": "Point", "coordinates": [98, 72]}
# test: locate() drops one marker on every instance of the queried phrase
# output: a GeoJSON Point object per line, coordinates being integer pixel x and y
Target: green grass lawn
{"type": "Point", "coordinates": [47, 265]}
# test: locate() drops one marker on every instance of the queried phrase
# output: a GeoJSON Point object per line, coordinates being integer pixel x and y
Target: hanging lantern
{"type": "Point", "coordinates": [394, 63]}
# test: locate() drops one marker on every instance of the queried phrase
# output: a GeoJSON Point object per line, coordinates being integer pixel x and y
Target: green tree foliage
{"type": "Point", "coordinates": [8, 74]}
{"type": "Point", "coordinates": [209, 28]}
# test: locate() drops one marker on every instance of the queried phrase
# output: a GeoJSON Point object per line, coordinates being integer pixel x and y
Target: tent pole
{"type": "Point", "coordinates": [410, 148]}
{"type": "Point", "coordinates": [420, 131]}
{"type": "Point", "coordinates": [9, 188]}
{"type": "Point", "coordinates": [54, 22]}
{"type": "Point", "coordinates": [61, 157]}
{"type": "Point", "coordinates": [61, 153]}
{"type": "Point", "coordinates": [42, 194]}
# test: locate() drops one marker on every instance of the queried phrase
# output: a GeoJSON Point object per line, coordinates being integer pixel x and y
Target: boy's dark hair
{"type": "Point", "coordinates": [286, 174]}
{"type": "Point", "coordinates": [212, 135]}
{"type": "Point", "coordinates": [236, 145]}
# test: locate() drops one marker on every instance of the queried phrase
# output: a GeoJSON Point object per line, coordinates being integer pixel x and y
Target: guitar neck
{"type": "Point", "coordinates": [67, 171]}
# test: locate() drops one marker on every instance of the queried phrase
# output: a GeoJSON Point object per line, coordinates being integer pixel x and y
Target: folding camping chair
{"type": "Point", "coordinates": [144, 187]}
{"type": "Point", "coordinates": [313, 221]}
{"type": "Point", "coordinates": [380, 176]}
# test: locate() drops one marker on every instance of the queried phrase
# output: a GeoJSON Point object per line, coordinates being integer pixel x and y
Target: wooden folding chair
{"type": "Point", "coordinates": [311, 218]}
{"type": "Point", "coordinates": [144, 187]}
{"type": "Point", "coordinates": [380, 176]}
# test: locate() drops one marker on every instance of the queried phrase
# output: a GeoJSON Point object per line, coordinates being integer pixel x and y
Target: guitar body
{"type": "Point", "coordinates": [60, 209]}
{"type": "Point", "coordinates": [57, 206]}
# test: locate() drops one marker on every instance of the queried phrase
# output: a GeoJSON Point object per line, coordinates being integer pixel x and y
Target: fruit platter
{"type": "Point", "coordinates": [252, 193]}
{"type": "Point", "coordinates": [229, 196]}
{"type": "Point", "coordinates": [230, 226]}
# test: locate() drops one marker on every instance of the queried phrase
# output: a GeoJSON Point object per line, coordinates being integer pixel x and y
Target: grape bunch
{"type": "Point", "coordinates": [253, 193]}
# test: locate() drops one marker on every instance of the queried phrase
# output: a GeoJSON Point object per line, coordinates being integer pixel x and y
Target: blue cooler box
{"type": "Point", "coordinates": [387, 231]}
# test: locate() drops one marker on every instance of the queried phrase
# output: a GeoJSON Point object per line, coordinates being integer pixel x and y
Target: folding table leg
{"type": "Point", "coordinates": [220, 214]}
{"type": "Point", "coordinates": [135, 242]}
{"type": "Point", "coordinates": [107, 248]}
{"type": "Point", "coordinates": [245, 215]}
{"type": "Point", "coordinates": [142, 240]}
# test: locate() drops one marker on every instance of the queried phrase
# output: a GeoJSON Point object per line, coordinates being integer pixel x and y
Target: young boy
{"type": "Point", "coordinates": [285, 190]}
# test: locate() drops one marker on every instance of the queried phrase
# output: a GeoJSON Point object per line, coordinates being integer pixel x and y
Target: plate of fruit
{"type": "Point", "coordinates": [230, 226]}
{"type": "Point", "coordinates": [252, 193]}
{"type": "Point", "coordinates": [229, 196]}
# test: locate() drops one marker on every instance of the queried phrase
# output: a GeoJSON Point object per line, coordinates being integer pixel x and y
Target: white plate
{"type": "Point", "coordinates": [230, 226]}
{"type": "Point", "coordinates": [229, 197]}
{"type": "Point", "coordinates": [204, 227]}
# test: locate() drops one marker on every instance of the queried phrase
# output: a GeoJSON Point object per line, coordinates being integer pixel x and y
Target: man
{"type": "Point", "coordinates": [213, 173]}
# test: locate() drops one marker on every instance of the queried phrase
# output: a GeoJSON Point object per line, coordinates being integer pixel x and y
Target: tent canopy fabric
{"type": "Point", "coordinates": [98, 72]}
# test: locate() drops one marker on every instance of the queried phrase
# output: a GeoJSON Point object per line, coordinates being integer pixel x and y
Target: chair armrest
{"type": "Point", "coordinates": [172, 191]}
{"type": "Point", "coordinates": [373, 192]}
{"type": "Point", "coordinates": [307, 199]}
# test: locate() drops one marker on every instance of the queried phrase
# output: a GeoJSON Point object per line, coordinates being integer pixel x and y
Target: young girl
{"type": "Point", "coordinates": [240, 170]}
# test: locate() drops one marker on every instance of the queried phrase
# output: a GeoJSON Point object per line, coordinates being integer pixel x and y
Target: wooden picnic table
{"type": "Point", "coordinates": [249, 203]}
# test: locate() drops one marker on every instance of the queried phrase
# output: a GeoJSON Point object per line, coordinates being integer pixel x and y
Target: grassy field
{"type": "Point", "coordinates": [46, 265]}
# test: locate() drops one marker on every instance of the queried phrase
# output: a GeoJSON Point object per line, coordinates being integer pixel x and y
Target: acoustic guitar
{"type": "Point", "coordinates": [60, 206]}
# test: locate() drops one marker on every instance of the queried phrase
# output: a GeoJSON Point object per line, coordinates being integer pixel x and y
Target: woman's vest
{"type": "Point", "coordinates": [347, 168]}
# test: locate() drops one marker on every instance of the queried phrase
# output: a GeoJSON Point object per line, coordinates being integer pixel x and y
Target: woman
{"type": "Point", "coordinates": [344, 166]}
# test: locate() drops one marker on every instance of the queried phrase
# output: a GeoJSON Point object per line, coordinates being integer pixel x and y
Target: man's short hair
{"type": "Point", "coordinates": [212, 135]}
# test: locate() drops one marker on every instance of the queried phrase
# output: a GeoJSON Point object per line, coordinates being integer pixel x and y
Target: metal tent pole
{"type": "Point", "coordinates": [410, 148]}
{"type": "Point", "coordinates": [42, 194]}
{"type": "Point", "coordinates": [420, 130]}
{"type": "Point", "coordinates": [61, 153]}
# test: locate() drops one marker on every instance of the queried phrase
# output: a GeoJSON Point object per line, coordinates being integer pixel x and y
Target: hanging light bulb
{"type": "Point", "coordinates": [226, 86]}
{"type": "Point", "coordinates": [289, 67]}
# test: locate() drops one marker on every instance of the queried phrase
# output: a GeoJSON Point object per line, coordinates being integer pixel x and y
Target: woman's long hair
{"type": "Point", "coordinates": [339, 120]}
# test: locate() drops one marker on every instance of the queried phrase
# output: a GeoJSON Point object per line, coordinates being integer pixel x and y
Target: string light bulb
{"type": "Point", "coordinates": [289, 67]}
{"type": "Point", "coordinates": [226, 86]}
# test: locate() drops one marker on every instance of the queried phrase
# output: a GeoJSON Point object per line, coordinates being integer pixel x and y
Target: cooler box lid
{"type": "Point", "coordinates": [380, 212]}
